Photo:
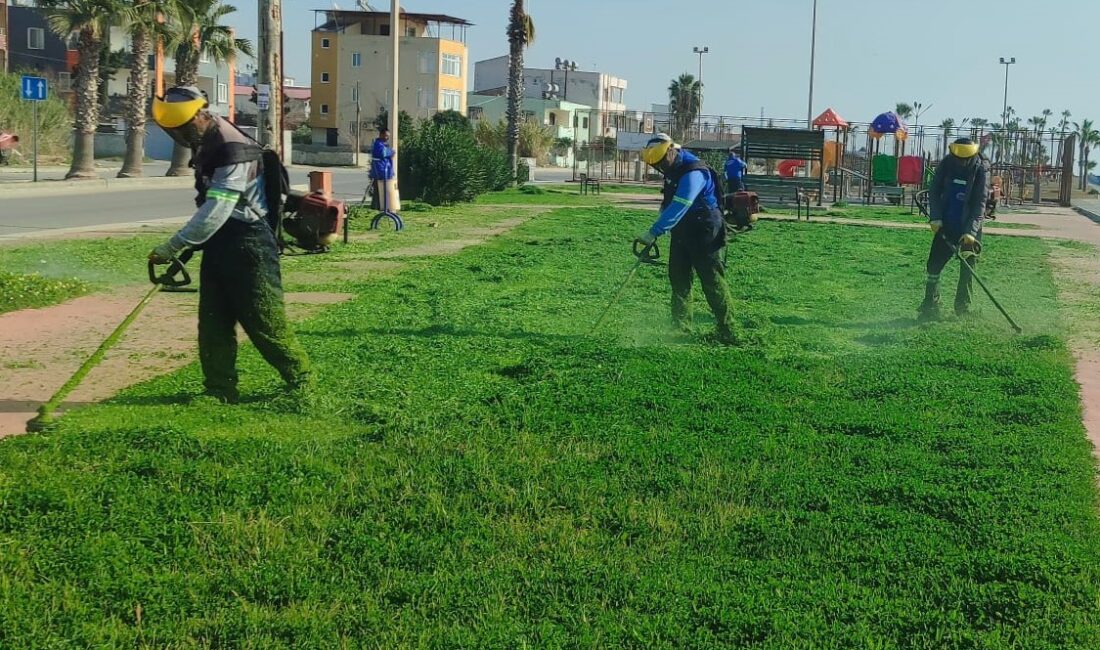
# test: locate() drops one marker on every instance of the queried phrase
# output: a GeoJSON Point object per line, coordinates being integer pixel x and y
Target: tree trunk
{"type": "Point", "coordinates": [136, 104]}
{"type": "Point", "coordinates": [87, 107]}
{"type": "Point", "coordinates": [187, 74]}
{"type": "Point", "coordinates": [517, 35]}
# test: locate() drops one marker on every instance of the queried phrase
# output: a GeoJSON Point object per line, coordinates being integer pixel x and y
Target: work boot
{"type": "Point", "coordinates": [962, 309]}
{"type": "Point", "coordinates": [929, 310]}
{"type": "Point", "coordinates": [722, 335]}
{"type": "Point", "coordinates": [214, 397]}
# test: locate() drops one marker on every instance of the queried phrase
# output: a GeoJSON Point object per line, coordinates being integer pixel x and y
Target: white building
{"type": "Point", "coordinates": [604, 92]}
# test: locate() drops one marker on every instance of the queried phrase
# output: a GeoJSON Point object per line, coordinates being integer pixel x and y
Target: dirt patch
{"type": "Point", "coordinates": [353, 270]}
{"type": "Point", "coordinates": [470, 237]}
{"type": "Point", "coordinates": [42, 348]}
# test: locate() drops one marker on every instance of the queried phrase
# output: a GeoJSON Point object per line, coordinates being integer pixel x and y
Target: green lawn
{"type": "Point", "coordinates": [900, 214]}
{"type": "Point", "coordinates": [19, 291]}
{"type": "Point", "coordinates": [484, 472]}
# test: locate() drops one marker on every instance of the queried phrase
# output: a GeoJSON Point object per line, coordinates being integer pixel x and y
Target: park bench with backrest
{"type": "Point", "coordinates": [784, 144]}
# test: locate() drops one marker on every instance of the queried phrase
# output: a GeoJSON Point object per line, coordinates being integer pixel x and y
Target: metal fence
{"type": "Point", "coordinates": [1032, 162]}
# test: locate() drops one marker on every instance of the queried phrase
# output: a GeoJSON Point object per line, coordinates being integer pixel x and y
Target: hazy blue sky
{"type": "Point", "coordinates": [939, 52]}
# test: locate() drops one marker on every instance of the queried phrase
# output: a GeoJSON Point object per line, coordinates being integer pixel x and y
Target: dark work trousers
{"type": "Point", "coordinates": [696, 248]}
{"type": "Point", "coordinates": [240, 282]}
{"type": "Point", "coordinates": [735, 185]}
{"type": "Point", "coordinates": [938, 256]}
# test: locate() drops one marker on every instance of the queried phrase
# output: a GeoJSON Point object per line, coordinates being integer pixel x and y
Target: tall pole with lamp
{"type": "Point", "coordinates": [701, 51]}
{"type": "Point", "coordinates": [1004, 107]}
{"type": "Point", "coordinates": [813, 52]}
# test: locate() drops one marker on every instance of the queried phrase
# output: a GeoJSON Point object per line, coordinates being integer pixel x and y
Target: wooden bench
{"type": "Point", "coordinates": [891, 193]}
{"type": "Point", "coordinates": [776, 190]}
{"type": "Point", "coordinates": [589, 184]}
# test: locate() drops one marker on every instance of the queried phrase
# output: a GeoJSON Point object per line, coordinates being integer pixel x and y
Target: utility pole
{"type": "Point", "coordinates": [395, 37]}
{"type": "Point", "coordinates": [701, 51]}
{"type": "Point", "coordinates": [1004, 108]}
{"type": "Point", "coordinates": [269, 74]}
{"type": "Point", "coordinates": [358, 124]}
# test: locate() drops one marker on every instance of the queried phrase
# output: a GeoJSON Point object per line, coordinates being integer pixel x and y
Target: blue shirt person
{"type": "Point", "coordinates": [381, 166]}
{"type": "Point", "coordinates": [735, 173]}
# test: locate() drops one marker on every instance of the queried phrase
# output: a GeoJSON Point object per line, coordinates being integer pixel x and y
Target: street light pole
{"type": "Point", "coordinates": [813, 52]}
{"type": "Point", "coordinates": [701, 51]}
{"type": "Point", "coordinates": [1004, 108]}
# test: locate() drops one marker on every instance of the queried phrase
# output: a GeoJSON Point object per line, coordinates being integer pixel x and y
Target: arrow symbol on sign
{"type": "Point", "coordinates": [41, 89]}
{"type": "Point", "coordinates": [26, 87]}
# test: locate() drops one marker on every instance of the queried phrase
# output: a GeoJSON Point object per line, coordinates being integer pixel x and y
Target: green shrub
{"type": "Point", "coordinates": [440, 164]}
{"type": "Point", "coordinates": [495, 164]}
{"type": "Point", "coordinates": [452, 118]}
{"type": "Point", "coordinates": [55, 123]}
{"type": "Point", "coordinates": [302, 135]}
{"type": "Point", "coordinates": [523, 172]}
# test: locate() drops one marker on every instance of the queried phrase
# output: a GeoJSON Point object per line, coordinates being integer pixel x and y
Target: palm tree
{"type": "Point", "coordinates": [903, 110]}
{"type": "Point", "coordinates": [947, 124]}
{"type": "Point", "coordinates": [201, 33]}
{"type": "Point", "coordinates": [1087, 138]}
{"type": "Point", "coordinates": [977, 129]}
{"type": "Point", "coordinates": [685, 96]}
{"type": "Point", "coordinates": [521, 33]}
{"type": "Point", "coordinates": [89, 20]}
{"type": "Point", "coordinates": [1063, 126]}
{"type": "Point", "coordinates": [147, 21]}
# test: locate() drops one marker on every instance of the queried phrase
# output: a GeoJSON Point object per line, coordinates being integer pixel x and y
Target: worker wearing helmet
{"type": "Point", "coordinates": [955, 203]}
{"type": "Point", "coordinates": [735, 171]}
{"type": "Point", "coordinates": [691, 211]}
{"type": "Point", "coordinates": [240, 280]}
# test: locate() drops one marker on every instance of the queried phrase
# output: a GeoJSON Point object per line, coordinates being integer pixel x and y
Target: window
{"type": "Point", "coordinates": [553, 119]}
{"type": "Point", "coordinates": [450, 100]}
{"type": "Point", "coordinates": [617, 95]}
{"type": "Point", "coordinates": [356, 59]}
{"type": "Point", "coordinates": [383, 30]}
{"type": "Point", "coordinates": [36, 38]}
{"type": "Point", "coordinates": [355, 93]}
{"type": "Point", "coordinates": [204, 57]}
{"type": "Point", "coordinates": [423, 98]}
{"type": "Point", "coordinates": [64, 82]}
{"type": "Point", "coordinates": [425, 62]}
{"type": "Point", "coordinates": [324, 77]}
{"type": "Point", "coordinates": [584, 123]}
{"type": "Point", "coordinates": [452, 65]}
{"type": "Point", "coordinates": [324, 43]}
{"type": "Point", "coordinates": [223, 93]}
{"type": "Point", "coordinates": [324, 109]}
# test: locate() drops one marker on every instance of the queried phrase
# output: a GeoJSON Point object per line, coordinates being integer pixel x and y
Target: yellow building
{"type": "Point", "coordinates": [352, 63]}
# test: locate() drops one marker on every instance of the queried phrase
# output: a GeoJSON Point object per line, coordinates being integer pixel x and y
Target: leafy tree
{"type": "Point", "coordinates": [146, 22]}
{"type": "Point", "coordinates": [453, 118]}
{"type": "Point", "coordinates": [903, 110]}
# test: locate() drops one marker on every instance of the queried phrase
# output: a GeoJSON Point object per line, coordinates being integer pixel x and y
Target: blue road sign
{"type": "Point", "coordinates": [35, 88]}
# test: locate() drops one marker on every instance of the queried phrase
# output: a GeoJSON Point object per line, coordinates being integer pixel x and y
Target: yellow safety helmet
{"type": "Point", "coordinates": [179, 106]}
{"type": "Point", "coordinates": [963, 148]}
{"type": "Point", "coordinates": [656, 149]}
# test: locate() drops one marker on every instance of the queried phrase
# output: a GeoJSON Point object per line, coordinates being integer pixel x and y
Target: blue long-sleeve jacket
{"type": "Point", "coordinates": [695, 191]}
{"type": "Point", "coordinates": [735, 168]}
{"type": "Point", "coordinates": [381, 167]}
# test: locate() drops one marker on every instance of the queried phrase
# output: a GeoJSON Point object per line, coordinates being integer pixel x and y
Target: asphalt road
{"type": "Point", "coordinates": [97, 207]}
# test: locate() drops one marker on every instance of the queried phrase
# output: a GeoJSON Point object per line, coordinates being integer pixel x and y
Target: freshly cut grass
{"type": "Point", "coordinates": [482, 472]}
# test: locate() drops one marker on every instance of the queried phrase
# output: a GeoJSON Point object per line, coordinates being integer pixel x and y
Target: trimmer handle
{"type": "Point", "coordinates": [647, 253]}
{"type": "Point", "coordinates": [168, 278]}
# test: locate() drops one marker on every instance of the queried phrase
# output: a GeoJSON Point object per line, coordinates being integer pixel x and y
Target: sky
{"type": "Point", "coordinates": [941, 53]}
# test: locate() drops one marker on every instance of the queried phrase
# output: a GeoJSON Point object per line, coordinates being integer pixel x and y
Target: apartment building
{"type": "Point", "coordinates": [352, 70]}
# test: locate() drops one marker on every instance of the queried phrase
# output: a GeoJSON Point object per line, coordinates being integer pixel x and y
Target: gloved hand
{"type": "Point", "coordinates": [162, 254]}
{"type": "Point", "coordinates": [935, 226]}
{"type": "Point", "coordinates": [645, 238]}
{"type": "Point", "coordinates": [969, 246]}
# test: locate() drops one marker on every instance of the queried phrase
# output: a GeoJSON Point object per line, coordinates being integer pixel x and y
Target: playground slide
{"type": "Point", "coordinates": [787, 168]}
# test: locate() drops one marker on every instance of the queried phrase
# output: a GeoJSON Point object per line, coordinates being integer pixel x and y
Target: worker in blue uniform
{"type": "Point", "coordinates": [691, 212]}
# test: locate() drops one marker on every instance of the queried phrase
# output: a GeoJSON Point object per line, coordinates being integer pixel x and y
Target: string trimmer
{"type": "Point", "coordinates": [647, 255]}
{"type": "Point", "coordinates": [167, 282]}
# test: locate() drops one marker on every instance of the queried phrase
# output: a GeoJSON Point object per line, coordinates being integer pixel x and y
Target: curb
{"type": "Point", "coordinates": [18, 189]}
{"type": "Point", "coordinates": [1089, 214]}
{"type": "Point", "coordinates": [134, 226]}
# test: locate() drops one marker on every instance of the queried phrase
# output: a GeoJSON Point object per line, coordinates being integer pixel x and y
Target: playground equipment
{"type": "Point", "coordinates": [833, 155]}
{"type": "Point", "coordinates": [883, 168]}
